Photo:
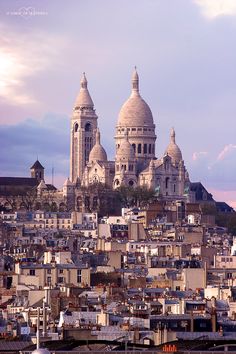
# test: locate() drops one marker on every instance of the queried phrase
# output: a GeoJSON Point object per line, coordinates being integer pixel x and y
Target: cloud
{"type": "Point", "coordinates": [197, 155]}
{"type": "Point", "coordinates": [226, 151]}
{"type": "Point", "coordinates": [212, 9]}
{"type": "Point", "coordinates": [23, 142]}
{"type": "Point", "coordinates": [23, 57]}
{"type": "Point", "coordinates": [228, 196]}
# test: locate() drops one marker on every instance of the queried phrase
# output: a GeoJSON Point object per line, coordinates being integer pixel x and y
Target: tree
{"type": "Point", "coordinates": [138, 196]}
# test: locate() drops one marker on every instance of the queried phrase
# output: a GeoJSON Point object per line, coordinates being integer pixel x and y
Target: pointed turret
{"type": "Point", "coordinates": [84, 99]}
{"type": "Point", "coordinates": [135, 83]}
{"type": "Point", "coordinates": [172, 135]}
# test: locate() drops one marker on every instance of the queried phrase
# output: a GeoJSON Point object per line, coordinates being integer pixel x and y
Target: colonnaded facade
{"type": "Point", "coordinates": [135, 162]}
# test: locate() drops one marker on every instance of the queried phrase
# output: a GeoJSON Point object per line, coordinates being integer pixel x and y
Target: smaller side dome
{"type": "Point", "coordinates": [41, 351]}
{"type": "Point", "coordinates": [126, 150]}
{"type": "Point", "coordinates": [97, 153]}
{"type": "Point", "coordinates": [173, 150]}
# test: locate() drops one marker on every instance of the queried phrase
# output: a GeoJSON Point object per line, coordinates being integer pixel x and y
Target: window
{"type": "Point", "coordinates": [167, 182]}
{"type": "Point", "coordinates": [76, 127]}
{"type": "Point", "coordinates": [145, 148]}
{"type": "Point", "coordinates": [32, 272]}
{"type": "Point", "coordinates": [139, 149]}
{"type": "Point", "coordinates": [60, 280]}
{"type": "Point", "coordinates": [134, 147]}
{"type": "Point", "coordinates": [150, 149]}
{"type": "Point", "coordinates": [49, 271]}
{"type": "Point", "coordinates": [61, 271]}
{"type": "Point", "coordinates": [49, 280]}
{"type": "Point", "coordinates": [88, 127]}
{"type": "Point", "coordinates": [79, 276]}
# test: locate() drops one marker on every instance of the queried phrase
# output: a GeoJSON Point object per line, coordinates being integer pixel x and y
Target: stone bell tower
{"type": "Point", "coordinates": [83, 131]}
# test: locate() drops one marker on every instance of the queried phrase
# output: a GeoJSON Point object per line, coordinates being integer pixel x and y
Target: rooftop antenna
{"type": "Point", "coordinates": [52, 175]}
{"type": "Point", "coordinates": [38, 323]}
{"type": "Point", "coordinates": [44, 318]}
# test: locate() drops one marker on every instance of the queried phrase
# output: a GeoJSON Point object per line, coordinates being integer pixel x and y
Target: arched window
{"type": "Point", "coordinates": [150, 149]}
{"type": "Point", "coordinates": [145, 148]}
{"type": "Point", "coordinates": [131, 183]}
{"type": "Point", "coordinates": [134, 147]}
{"type": "Point", "coordinates": [76, 127]}
{"type": "Point", "coordinates": [88, 127]}
{"type": "Point", "coordinates": [117, 182]}
{"type": "Point", "coordinates": [139, 149]}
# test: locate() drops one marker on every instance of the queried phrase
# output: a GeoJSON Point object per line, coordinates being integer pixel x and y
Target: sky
{"type": "Point", "coordinates": [185, 53]}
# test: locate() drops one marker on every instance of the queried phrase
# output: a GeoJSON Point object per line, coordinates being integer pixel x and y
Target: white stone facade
{"type": "Point", "coordinates": [135, 162]}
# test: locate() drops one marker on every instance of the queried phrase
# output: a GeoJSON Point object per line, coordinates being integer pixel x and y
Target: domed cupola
{"type": "Point", "coordinates": [136, 117]}
{"type": "Point", "coordinates": [83, 99]}
{"type": "Point", "coordinates": [135, 111]}
{"type": "Point", "coordinates": [125, 164]}
{"type": "Point", "coordinates": [173, 150]}
{"type": "Point", "coordinates": [125, 151]}
{"type": "Point", "coordinates": [97, 153]}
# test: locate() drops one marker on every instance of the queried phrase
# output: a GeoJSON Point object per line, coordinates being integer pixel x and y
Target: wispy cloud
{"type": "Point", "coordinates": [212, 9]}
{"type": "Point", "coordinates": [226, 150]}
{"type": "Point", "coordinates": [197, 155]}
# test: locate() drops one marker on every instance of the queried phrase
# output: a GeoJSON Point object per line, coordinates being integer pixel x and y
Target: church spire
{"type": "Point", "coordinates": [135, 82]}
{"type": "Point", "coordinates": [98, 137]}
{"type": "Point", "coordinates": [172, 135]}
{"type": "Point", "coordinates": [84, 81]}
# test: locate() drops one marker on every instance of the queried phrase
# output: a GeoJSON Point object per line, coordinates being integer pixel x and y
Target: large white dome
{"type": "Point", "coordinates": [135, 111]}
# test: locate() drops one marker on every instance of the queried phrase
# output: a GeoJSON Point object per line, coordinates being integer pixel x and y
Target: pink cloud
{"type": "Point", "coordinates": [226, 150]}
{"type": "Point", "coordinates": [227, 196]}
{"type": "Point", "coordinates": [197, 155]}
